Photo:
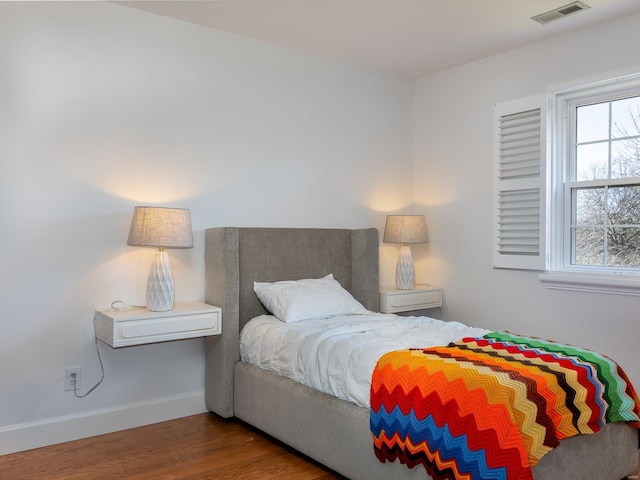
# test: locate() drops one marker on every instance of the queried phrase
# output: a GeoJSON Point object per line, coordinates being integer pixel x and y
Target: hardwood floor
{"type": "Point", "coordinates": [193, 448]}
{"type": "Point", "coordinates": [199, 447]}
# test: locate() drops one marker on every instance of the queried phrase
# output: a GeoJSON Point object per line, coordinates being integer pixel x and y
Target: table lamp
{"type": "Point", "coordinates": [163, 228]}
{"type": "Point", "coordinates": [405, 229]}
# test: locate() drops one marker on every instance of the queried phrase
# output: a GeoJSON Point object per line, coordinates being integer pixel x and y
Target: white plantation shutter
{"type": "Point", "coordinates": [520, 183]}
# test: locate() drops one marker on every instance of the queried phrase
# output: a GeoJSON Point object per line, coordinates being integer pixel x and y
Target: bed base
{"type": "Point", "coordinates": [336, 434]}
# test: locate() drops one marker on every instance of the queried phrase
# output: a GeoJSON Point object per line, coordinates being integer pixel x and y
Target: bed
{"type": "Point", "coordinates": [334, 432]}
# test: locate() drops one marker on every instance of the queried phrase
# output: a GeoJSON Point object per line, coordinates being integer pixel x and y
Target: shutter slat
{"type": "Point", "coordinates": [515, 209]}
{"type": "Point", "coordinates": [519, 145]}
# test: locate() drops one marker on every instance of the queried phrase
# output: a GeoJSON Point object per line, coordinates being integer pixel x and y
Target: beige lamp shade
{"type": "Point", "coordinates": [405, 229]}
{"type": "Point", "coordinates": [163, 228]}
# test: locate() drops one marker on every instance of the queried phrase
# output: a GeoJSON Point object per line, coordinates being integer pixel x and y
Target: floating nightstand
{"type": "Point", "coordinates": [136, 326]}
{"type": "Point", "coordinates": [422, 297]}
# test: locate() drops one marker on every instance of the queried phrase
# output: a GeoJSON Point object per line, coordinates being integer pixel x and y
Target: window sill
{"type": "Point", "coordinates": [589, 282]}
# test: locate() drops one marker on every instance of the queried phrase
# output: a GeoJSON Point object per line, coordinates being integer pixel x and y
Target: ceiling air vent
{"type": "Point", "coordinates": [560, 12]}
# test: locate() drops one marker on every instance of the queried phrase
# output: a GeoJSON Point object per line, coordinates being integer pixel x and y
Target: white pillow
{"type": "Point", "coordinates": [295, 300]}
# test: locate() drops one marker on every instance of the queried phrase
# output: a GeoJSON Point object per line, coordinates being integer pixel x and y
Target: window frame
{"type": "Point", "coordinates": [560, 273]}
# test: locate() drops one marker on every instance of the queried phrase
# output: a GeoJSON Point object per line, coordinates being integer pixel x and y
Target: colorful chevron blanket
{"type": "Point", "coordinates": [491, 407]}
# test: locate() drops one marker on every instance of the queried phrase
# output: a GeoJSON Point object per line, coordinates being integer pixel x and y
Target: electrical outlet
{"type": "Point", "coordinates": [69, 381]}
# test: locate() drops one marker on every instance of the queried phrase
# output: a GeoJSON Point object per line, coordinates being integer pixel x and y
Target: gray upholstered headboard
{"type": "Point", "coordinates": [237, 257]}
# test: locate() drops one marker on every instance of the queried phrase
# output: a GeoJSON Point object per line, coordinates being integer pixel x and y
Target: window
{"type": "Point", "coordinates": [603, 189]}
{"type": "Point", "coordinates": [588, 183]}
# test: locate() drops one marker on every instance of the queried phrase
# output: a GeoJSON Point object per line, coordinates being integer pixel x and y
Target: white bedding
{"type": "Point", "coordinates": [337, 355]}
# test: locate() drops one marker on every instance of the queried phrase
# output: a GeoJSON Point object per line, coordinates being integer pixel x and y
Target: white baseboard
{"type": "Point", "coordinates": [25, 436]}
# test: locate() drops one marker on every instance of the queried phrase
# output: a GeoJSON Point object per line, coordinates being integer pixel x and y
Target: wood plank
{"type": "Point", "coordinates": [198, 447]}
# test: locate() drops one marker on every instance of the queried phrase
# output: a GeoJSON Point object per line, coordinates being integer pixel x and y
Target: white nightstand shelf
{"type": "Point", "coordinates": [136, 326]}
{"type": "Point", "coordinates": [421, 297]}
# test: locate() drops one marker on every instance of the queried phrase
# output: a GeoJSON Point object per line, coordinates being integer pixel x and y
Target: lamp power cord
{"type": "Point", "coordinates": [73, 375]}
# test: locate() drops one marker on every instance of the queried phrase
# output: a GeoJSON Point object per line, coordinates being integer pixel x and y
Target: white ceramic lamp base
{"type": "Point", "coordinates": [404, 269]}
{"type": "Point", "coordinates": [160, 289]}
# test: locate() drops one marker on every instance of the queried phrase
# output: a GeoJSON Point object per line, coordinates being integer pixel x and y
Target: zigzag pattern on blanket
{"type": "Point", "coordinates": [492, 407]}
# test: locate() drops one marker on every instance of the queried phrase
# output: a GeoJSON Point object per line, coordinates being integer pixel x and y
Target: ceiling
{"type": "Point", "coordinates": [410, 38]}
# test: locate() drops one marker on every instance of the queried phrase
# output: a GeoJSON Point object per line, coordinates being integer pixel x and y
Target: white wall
{"type": "Point", "coordinates": [103, 108]}
{"type": "Point", "coordinates": [453, 184]}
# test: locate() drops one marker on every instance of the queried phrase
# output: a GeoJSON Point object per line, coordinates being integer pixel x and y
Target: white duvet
{"type": "Point", "coordinates": [337, 355]}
